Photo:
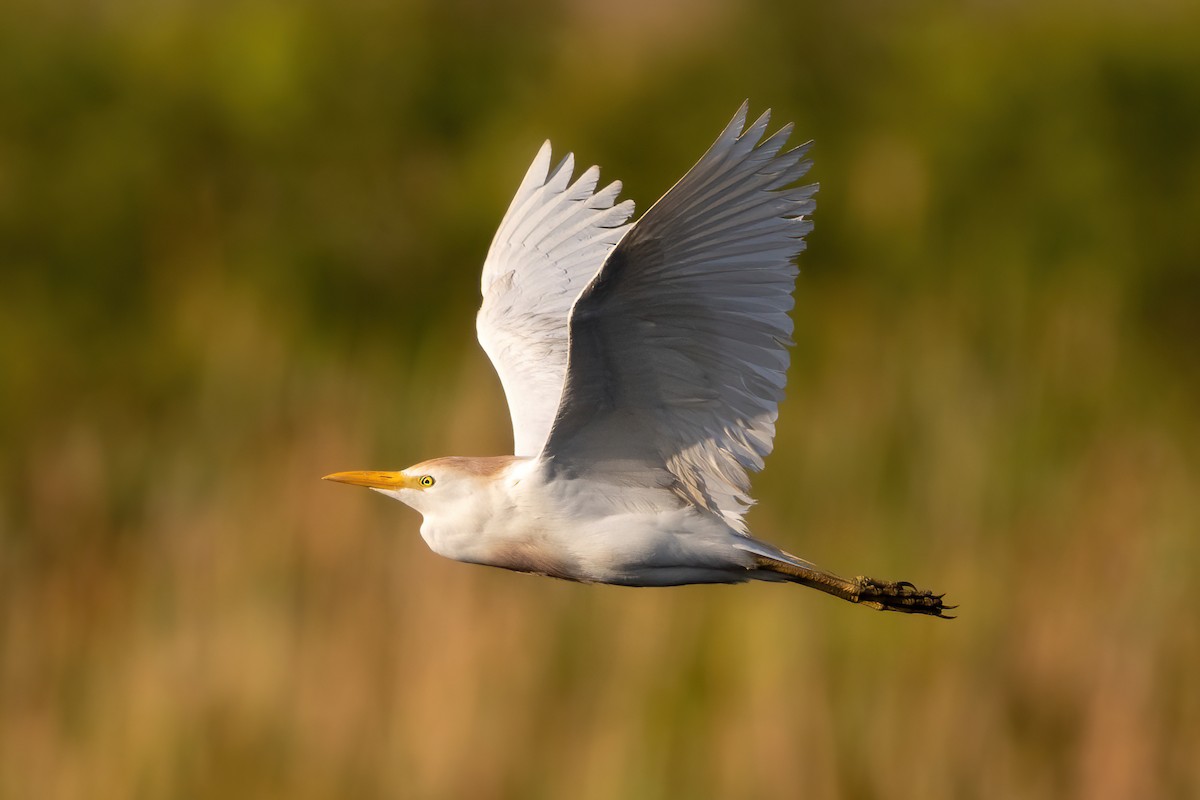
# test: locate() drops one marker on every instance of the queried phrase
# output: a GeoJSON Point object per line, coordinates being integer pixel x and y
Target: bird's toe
{"type": "Point", "coordinates": [900, 596]}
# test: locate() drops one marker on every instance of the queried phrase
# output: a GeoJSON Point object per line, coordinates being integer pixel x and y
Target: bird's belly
{"type": "Point", "coordinates": [625, 541]}
{"type": "Point", "coordinates": [537, 556]}
{"type": "Point", "coordinates": [627, 549]}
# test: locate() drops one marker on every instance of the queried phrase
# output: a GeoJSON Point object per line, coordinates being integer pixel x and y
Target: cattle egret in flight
{"type": "Point", "coordinates": [643, 365]}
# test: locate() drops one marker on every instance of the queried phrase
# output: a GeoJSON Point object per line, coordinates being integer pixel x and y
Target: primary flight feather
{"type": "Point", "coordinates": [643, 365]}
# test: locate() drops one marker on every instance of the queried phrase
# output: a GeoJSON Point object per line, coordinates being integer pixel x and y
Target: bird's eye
{"type": "Point", "coordinates": [426, 481]}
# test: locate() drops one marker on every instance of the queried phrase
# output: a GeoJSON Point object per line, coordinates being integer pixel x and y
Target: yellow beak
{"type": "Point", "coordinates": [375, 480]}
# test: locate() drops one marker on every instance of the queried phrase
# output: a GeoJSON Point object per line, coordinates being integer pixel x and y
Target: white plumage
{"type": "Point", "coordinates": [643, 365]}
{"type": "Point", "coordinates": [549, 245]}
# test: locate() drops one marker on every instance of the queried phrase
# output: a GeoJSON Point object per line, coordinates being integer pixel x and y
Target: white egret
{"type": "Point", "coordinates": [643, 365]}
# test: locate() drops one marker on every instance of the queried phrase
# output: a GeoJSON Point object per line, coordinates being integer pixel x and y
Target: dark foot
{"type": "Point", "coordinates": [898, 596]}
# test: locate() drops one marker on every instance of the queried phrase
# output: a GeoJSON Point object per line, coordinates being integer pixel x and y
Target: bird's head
{"type": "Point", "coordinates": [433, 483]}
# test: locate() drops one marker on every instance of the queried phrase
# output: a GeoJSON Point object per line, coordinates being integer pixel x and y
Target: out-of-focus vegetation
{"type": "Point", "coordinates": [239, 249]}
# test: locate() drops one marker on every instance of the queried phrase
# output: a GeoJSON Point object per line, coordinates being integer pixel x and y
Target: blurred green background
{"type": "Point", "coordinates": [239, 249]}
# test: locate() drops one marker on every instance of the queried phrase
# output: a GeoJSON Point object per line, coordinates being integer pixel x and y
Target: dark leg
{"type": "Point", "coordinates": [882, 595]}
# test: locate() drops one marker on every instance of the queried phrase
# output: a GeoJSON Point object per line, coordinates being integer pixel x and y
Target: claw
{"type": "Point", "coordinates": [901, 596]}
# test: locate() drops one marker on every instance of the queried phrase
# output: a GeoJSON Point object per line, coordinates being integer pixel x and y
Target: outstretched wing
{"type": "Point", "coordinates": [550, 243]}
{"type": "Point", "coordinates": [678, 353]}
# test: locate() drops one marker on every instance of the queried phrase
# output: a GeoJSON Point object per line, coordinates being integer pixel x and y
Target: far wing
{"type": "Point", "coordinates": [679, 345]}
{"type": "Point", "coordinates": [550, 243]}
